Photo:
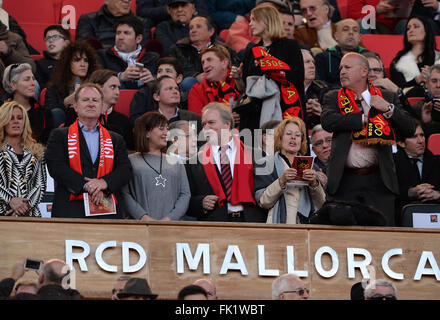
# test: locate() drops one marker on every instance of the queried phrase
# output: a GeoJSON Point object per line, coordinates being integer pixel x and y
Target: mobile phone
{"type": "Point", "coordinates": [139, 65]}
{"type": "Point", "coordinates": [31, 264]}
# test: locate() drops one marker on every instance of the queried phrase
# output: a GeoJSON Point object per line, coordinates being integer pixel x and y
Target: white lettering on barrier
{"type": "Point", "coordinates": [233, 250]}
{"type": "Point", "coordinates": [80, 257]}
{"type": "Point", "coordinates": [362, 265]}
{"type": "Point", "coordinates": [193, 261]}
{"type": "Point", "coordinates": [290, 253]}
{"type": "Point", "coordinates": [421, 268]}
{"type": "Point", "coordinates": [318, 262]}
{"type": "Point", "coordinates": [262, 271]}
{"type": "Point", "coordinates": [386, 264]}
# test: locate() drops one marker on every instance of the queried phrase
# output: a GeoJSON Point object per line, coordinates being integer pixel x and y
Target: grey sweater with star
{"type": "Point", "coordinates": [145, 194]}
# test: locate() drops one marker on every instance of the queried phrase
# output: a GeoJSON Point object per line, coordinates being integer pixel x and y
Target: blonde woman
{"type": "Point", "coordinates": [270, 55]}
{"type": "Point", "coordinates": [286, 202]}
{"type": "Point", "coordinates": [22, 165]}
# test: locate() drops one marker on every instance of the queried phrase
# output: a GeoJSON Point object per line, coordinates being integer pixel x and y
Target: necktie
{"type": "Point", "coordinates": [226, 171]}
{"type": "Point", "coordinates": [415, 162]}
{"type": "Point", "coordinates": [359, 104]}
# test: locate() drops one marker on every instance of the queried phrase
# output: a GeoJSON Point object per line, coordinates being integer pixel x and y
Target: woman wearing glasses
{"type": "Point", "coordinates": [287, 202]}
{"type": "Point", "coordinates": [23, 170]}
{"type": "Point", "coordinates": [77, 62]}
{"type": "Point", "coordinates": [273, 69]}
{"type": "Point", "coordinates": [159, 189]}
{"type": "Point", "coordinates": [19, 83]}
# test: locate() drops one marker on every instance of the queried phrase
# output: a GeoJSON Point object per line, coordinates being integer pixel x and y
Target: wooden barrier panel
{"type": "Point", "coordinates": [241, 259]}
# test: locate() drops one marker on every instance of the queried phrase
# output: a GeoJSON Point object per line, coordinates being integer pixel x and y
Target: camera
{"type": "Point", "coordinates": [31, 264]}
{"type": "Point", "coordinates": [435, 113]}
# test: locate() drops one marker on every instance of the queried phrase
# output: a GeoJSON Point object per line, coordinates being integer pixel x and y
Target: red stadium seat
{"type": "Point", "coordinates": [386, 45]}
{"type": "Point", "coordinates": [224, 34]}
{"type": "Point", "coordinates": [434, 143]}
{"type": "Point", "coordinates": [32, 11]}
{"type": "Point", "coordinates": [413, 100]}
{"type": "Point", "coordinates": [123, 104]}
{"type": "Point", "coordinates": [87, 6]}
{"type": "Point", "coordinates": [35, 34]}
{"type": "Point", "coordinates": [43, 97]}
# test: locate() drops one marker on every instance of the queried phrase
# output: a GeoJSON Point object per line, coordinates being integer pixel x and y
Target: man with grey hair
{"type": "Point", "coordinates": [289, 287]}
{"type": "Point", "coordinates": [319, 32]}
{"type": "Point", "coordinates": [321, 145]}
{"type": "Point", "coordinates": [380, 289]}
{"type": "Point", "coordinates": [183, 139]}
{"type": "Point", "coordinates": [222, 178]}
{"type": "Point", "coordinates": [348, 37]}
{"type": "Point", "coordinates": [428, 109]}
{"type": "Point", "coordinates": [361, 166]}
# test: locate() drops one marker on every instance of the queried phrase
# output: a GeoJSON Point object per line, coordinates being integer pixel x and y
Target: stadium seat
{"type": "Point", "coordinates": [224, 34]}
{"type": "Point", "coordinates": [434, 143]}
{"type": "Point", "coordinates": [386, 45]}
{"type": "Point", "coordinates": [343, 8]}
{"type": "Point", "coordinates": [123, 104]}
{"type": "Point", "coordinates": [413, 100]}
{"type": "Point", "coordinates": [32, 11]}
{"type": "Point", "coordinates": [35, 34]}
{"type": "Point", "coordinates": [42, 97]}
{"type": "Point", "coordinates": [86, 6]}
{"type": "Point", "coordinates": [428, 215]}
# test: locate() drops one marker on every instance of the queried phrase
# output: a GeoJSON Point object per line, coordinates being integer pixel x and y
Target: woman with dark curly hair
{"type": "Point", "coordinates": [77, 62]}
{"type": "Point", "coordinates": [409, 66]}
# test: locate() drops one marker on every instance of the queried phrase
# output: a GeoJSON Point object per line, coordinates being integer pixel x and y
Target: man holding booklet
{"type": "Point", "coordinates": [88, 163]}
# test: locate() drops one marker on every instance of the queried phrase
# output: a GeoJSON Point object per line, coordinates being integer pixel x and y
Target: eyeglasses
{"type": "Point", "coordinates": [299, 291]}
{"type": "Point", "coordinates": [54, 37]}
{"type": "Point", "coordinates": [319, 143]}
{"type": "Point", "coordinates": [376, 70]}
{"type": "Point", "coordinates": [383, 297]}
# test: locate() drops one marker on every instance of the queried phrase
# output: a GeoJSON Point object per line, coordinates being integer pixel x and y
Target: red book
{"type": "Point", "coordinates": [301, 163]}
{"type": "Point", "coordinates": [108, 206]}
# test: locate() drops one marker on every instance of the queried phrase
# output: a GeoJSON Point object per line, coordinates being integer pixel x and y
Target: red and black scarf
{"type": "Point", "coordinates": [243, 181]}
{"type": "Point", "coordinates": [224, 91]}
{"type": "Point", "coordinates": [106, 153]}
{"type": "Point", "coordinates": [276, 69]}
{"type": "Point", "coordinates": [378, 130]}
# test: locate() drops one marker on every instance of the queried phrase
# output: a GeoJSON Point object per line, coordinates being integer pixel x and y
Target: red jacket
{"type": "Point", "coordinates": [201, 94]}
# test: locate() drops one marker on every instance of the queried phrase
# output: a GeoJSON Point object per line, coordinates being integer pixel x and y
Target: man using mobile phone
{"type": "Point", "coordinates": [134, 65]}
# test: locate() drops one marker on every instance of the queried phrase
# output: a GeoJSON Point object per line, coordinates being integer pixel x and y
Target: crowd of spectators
{"type": "Point", "coordinates": [268, 74]}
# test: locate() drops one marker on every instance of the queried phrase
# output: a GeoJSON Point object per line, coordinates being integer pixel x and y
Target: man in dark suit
{"type": "Point", "coordinates": [363, 121]}
{"type": "Point", "coordinates": [221, 175]}
{"type": "Point", "coordinates": [86, 158]}
{"type": "Point", "coordinates": [418, 171]}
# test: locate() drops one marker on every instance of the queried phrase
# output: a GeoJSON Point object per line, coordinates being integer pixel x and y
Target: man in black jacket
{"type": "Point", "coordinates": [101, 24]}
{"type": "Point", "coordinates": [418, 171]}
{"type": "Point", "coordinates": [56, 38]}
{"type": "Point", "coordinates": [53, 283]}
{"type": "Point", "coordinates": [134, 65]}
{"type": "Point", "coordinates": [170, 31]}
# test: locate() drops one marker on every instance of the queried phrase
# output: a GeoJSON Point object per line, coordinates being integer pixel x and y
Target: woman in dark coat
{"type": "Point", "coordinates": [280, 60]}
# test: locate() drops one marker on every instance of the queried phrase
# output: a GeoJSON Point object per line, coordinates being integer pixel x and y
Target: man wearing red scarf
{"type": "Point", "coordinates": [221, 176]}
{"type": "Point", "coordinates": [364, 121]}
{"type": "Point", "coordinates": [218, 84]}
{"type": "Point", "coordinates": [86, 158]}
